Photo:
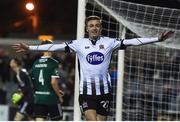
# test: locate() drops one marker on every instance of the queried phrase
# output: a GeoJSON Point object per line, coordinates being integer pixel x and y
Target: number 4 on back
{"type": "Point", "coordinates": [41, 79]}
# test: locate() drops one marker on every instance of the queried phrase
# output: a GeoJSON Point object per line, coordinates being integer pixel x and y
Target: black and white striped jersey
{"type": "Point", "coordinates": [94, 64]}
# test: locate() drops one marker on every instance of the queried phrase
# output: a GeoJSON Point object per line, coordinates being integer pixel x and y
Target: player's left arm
{"type": "Point", "coordinates": [143, 41]}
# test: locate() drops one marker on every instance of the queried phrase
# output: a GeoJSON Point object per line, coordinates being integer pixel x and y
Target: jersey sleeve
{"type": "Point", "coordinates": [124, 43]}
{"type": "Point", "coordinates": [55, 72]}
{"type": "Point", "coordinates": [73, 45]}
{"type": "Point", "coordinates": [48, 47]}
{"type": "Point", "coordinates": [117, 43]}
{"type": "Point", "coordinates": [139, 41]}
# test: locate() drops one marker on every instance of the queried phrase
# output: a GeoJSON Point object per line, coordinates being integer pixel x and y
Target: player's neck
{"type": "Point", "coordinates": [47, 54]}
{"type": "Point", "coordinates": [94, 39]}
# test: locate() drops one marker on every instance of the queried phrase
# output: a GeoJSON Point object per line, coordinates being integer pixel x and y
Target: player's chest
{"type": "Point", "coordinates": [94, 54]}
{"type": "Point", "coordinates": [90, 48]}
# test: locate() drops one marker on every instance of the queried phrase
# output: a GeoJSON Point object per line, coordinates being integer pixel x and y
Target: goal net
{"type": "Point", "coordinates": [151, 72]}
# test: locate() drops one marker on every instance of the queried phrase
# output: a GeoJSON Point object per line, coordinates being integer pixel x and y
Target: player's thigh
{"type": "Point", "coordinates": [55, 112]}
{"type": "Point", "coordinates": [88, 107]}
{"type": "Point", "coordinates": [90, 115]}
{"type": "Point", "coordinates": [86, 103]}
{"type": "Point", "coordinates": [101, 118]}
{"type": "Point", "coordinates": [40, 111]}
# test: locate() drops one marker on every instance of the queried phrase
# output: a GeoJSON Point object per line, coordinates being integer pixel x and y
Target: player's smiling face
{"type": "Point", "coordinates": [94, 28]}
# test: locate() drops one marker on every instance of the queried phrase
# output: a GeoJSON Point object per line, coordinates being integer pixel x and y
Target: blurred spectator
{"type": "Point", "coordinates": [69, 62]}
{"type": "Point", "coordinates": [113, 73]}
{"type": "Point", "coordinates": [62, 73]}
{"type": "Point", "coordinates": [2, 96]}
{"type": "Point", "coordinates": [4, 65]}
{"type": "Point", "coordinates": [68, 89]}
{"type": "Point", "coordinates": [28, 60]}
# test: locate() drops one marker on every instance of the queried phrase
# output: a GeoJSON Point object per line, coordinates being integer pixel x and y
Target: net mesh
{"type": "Point", "coordinates": [151, 72]}
{"type": "Point", "coordinates": [145, 20]}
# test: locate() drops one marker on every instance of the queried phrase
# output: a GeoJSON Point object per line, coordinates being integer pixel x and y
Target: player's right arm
{"type": "Point", "coordinates": [70, 46]}
{"type": "Point", "coordinates": [55, 86]}
{"type": "Point", "coordinates": [22, 47]}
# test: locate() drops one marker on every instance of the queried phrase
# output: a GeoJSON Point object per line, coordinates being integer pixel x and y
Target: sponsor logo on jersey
{"type": "Point", "coordinates": [40, 65]}
{"type": "Point", "coordinates": [95, 58]}
{"type": "Point", "coordinates": [43, 60]}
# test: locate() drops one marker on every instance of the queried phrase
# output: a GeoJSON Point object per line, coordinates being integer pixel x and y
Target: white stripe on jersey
{"type": "Point", "coordinates": [97, 85]}
{"type": "Point", "coordinates": [89, 87]}
{"type": "Point", "coordinates": [105, 81]}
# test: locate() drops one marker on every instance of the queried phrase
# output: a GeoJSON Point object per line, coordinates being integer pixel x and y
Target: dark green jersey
{"type": "Point", "coordinates": [42, 71]}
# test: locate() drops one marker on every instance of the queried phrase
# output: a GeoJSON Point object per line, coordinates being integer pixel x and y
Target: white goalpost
{"type": "Point", "coordinates": [145, 79]}
{"type": "Point", "coordinates": [80, 34]}
{"type": "Point", "coordinates": [120, 73]}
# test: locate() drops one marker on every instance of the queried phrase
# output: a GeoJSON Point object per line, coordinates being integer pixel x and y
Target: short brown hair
{"type": "Point", "coordinates": [47, 42]}
{"type": "Point", "coordinates": [92, 18]}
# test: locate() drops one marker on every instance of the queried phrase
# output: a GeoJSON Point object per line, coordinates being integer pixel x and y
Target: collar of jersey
{"type": "Point", "coordinates": [94, 42]}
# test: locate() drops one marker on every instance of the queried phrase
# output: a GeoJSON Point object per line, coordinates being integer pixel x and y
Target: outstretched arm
{"type": "Point", "coordinates": [142, 41]}
{"type": "Point", "coordinates": [48, 47]}
{"type": "Point", "coordinates": [22, 47]}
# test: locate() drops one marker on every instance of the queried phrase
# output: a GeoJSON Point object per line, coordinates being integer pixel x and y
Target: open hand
{"type": "Point", "coordinates": [165, 35]}
{"type": "Point", "coordinates": [21, 47]}
{"type": "Point", "coordinates": [61, 96]}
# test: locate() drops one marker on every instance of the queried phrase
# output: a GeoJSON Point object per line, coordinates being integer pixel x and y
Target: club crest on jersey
{"type": "Point", "coordinates": [101, 46]}
{"type": "Point", "coordinates": [87, 47]}
{"type": "Point", "coordinates": [95, 58]}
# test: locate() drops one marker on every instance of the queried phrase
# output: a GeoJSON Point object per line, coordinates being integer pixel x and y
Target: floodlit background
{"type": "Point", "coordinates": [28, 20]}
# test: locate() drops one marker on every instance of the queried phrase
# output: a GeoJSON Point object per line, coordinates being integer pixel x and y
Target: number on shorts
{"type": "Point", "coordinates": [105, 104]}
